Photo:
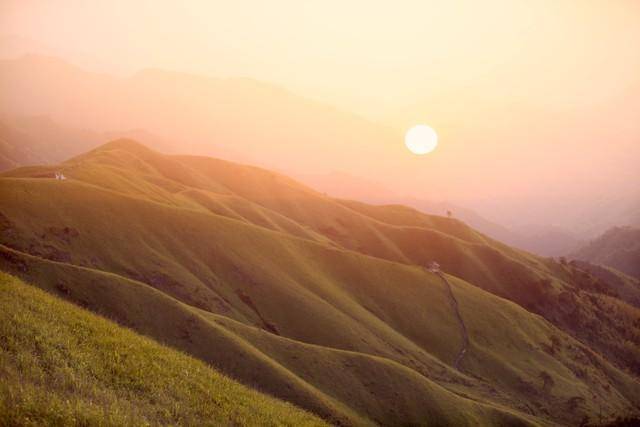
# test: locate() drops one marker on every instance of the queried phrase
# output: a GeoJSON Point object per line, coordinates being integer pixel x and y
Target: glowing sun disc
{"type": "Point", "coordinates": [421, 139]}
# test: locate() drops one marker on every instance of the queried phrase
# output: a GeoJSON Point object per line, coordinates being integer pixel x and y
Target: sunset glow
{"type": "Point", "coordinates": [316, 213]}
{"type": "Point", "coordinates": [524, 90]}
{"type": "Point", "coordinates": [421, 139]}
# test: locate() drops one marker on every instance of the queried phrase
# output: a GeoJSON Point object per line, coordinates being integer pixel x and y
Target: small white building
{"type": "Point", "coordinates": [433, 267]}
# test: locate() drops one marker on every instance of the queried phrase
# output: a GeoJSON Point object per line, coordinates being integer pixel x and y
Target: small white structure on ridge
{"type": "Point", "coordinates": [433, 267]}
{"type": "Point", "coordinates": [60, 176]}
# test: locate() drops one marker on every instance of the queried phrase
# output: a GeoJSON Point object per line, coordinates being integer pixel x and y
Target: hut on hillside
{"type": "Point", "coordinates": [433, 267]}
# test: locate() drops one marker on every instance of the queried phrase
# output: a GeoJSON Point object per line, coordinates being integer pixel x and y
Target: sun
{"type": "Point", "coordinates": [421, 139]}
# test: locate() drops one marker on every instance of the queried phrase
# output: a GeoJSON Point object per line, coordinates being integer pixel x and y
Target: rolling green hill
{"type": "Point", "coordinates": [61, 365]}
{"type": "Point", "coordinates": [322, 302]}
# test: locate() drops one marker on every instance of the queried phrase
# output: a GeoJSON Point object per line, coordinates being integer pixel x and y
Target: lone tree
{"type": "Point", "coordinates": [449, 214]}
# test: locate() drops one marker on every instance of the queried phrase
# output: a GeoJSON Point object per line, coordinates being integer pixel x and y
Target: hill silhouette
{"type": "Point", "coordinates": [17, 149]}
{"type": "Point", "coordinates": [618, 247]}
{"type": "Point", "coordinates": [200, 112]}
{"type": "Point", "coordinates": [318, 301]}
{"type": "Point", "coordinates": [237, 119]}
{"type": "Point", "coordinates": [38, 140]}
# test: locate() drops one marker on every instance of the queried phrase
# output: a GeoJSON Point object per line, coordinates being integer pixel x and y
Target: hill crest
{"type": "Point", "coordinates": [296, 280]}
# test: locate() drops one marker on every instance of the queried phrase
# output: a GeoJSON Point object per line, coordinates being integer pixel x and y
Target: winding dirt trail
{"type": "Point", "coordinates": [463, 327]}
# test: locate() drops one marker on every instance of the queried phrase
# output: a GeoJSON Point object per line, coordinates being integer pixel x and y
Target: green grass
{"type": "Point", "coordinates": [60, 365]}
{"type": "Point", "coordinates": [359, 333]}
{"type": "Point", "coordinates": [346, 387]}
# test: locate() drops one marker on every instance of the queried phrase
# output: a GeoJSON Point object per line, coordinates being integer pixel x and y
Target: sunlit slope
{"type": "Point", "coordinates": [270, 200]}
{"type": "Point", "coordinates": [311, 376]}
{"type": "Point", "coordinates": [62, 365]}
{"type": "Point", "coordinates": [267, 199]}
{"type": "Point", "coordinates": [310, 292]}
{"type": "Point", "coordinates": [130, 168]}
{"type": "Point", "coordinates": [362, 228]}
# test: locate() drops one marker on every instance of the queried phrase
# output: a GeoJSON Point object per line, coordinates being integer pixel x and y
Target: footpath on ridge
{"type": "Point", "coordinates": [463, 328]}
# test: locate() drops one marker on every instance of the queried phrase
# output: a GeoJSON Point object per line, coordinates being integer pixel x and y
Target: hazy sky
{"type": "Point", "coordinates": [527, 96]}
{"type": "Point", "coordinates": [397, 53]}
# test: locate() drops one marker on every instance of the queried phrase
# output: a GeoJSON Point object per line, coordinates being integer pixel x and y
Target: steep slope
{"type": "Point", "coordinates": [342, 185]}
{"type": "Point", "coordinates": [308, 289]}
{"type": "Point", "coordinates": [540, 285]}
{"type": "Point", "coordinates": [62, 365]}
{"type": "Point", "coordinates": [612, 281]}
{"type": "Point", "coordinates": [409, 237]}
{"type": "Point", "coordinates": [198, 183]}
{"type": "Point", "coordinates": [618, 248]}
{"type": "Point", "coordinates": [311, 376]}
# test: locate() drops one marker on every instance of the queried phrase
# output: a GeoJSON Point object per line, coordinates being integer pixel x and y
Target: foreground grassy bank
{"type": "Point", "coordinates": [61, 365]}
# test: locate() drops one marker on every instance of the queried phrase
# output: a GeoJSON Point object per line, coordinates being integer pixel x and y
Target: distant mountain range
{"type": "Point", "coordinates": [618, 248]}
{"type": "Point", "coordinates": [323, 302]}
{"type": "Point", "coordinates": [543, 240]}
{"type": "Point", "coordinates": [33, 140]}
{"type": "Point", "coordinates": [18, 149]}
{"type": "Point", "coordinates": [28, 141]}
{"type": "Point", "coordinates": [40, 140]}
{"type": "Point", "coordinates": [236, 119]}
{"type": "Point", "coordinates": [200, 115]}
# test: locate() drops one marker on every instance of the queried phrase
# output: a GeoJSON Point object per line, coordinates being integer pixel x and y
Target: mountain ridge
{"type": "Point", "coordinates": [618, 247]}
{"type": "Point", "coordinates": [339, 280]}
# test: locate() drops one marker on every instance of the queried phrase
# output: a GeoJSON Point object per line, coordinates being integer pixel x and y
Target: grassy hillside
{"type": "Point", "coordinates": [260, 197]}
{"type": "Point", "coordinates": [618, 248]}
{"type": "Point", "coordinates": [61, 365]}
{"type": "Point", "coordinates": [320, 301]}
{"type": "Point", "coordinates": [346, 387]}
{"type": "Point", "coordinates": [612, 281]}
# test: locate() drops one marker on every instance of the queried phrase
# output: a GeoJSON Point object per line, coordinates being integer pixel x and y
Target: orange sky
{"type": "Point", "coordinates": [528, 97]}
